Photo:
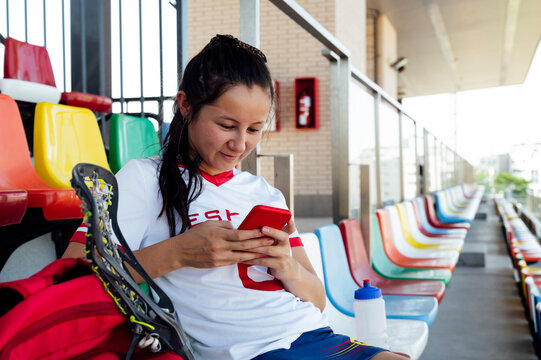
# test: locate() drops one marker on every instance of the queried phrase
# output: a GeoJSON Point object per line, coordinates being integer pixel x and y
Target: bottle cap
{"type": "Point", "coordinates": [367, 292]}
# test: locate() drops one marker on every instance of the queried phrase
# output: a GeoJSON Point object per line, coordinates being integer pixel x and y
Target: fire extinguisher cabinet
{"type": "Point", "coordinates": [306, 103]}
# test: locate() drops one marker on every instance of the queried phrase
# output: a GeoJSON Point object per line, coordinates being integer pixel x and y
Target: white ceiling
{"type": "Point", "coordinates": [455, 45]}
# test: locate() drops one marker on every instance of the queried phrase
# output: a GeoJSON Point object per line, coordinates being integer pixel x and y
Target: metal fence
{"type": "Point", "coordinates": [116, 66]}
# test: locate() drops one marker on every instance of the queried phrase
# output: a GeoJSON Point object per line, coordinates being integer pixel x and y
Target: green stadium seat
{"type": "Point", "coordinates": [131, 137]}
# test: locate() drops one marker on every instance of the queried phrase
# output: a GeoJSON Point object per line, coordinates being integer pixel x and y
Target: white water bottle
{"type": "Point", "coordinates": [370, 318]}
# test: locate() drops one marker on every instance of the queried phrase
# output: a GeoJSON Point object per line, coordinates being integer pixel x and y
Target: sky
{"type": "Point", "coordinates": [489, 121]}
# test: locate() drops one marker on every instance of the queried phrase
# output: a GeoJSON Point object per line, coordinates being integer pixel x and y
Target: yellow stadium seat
{"type": "Point", "coordinates": [63, 137]}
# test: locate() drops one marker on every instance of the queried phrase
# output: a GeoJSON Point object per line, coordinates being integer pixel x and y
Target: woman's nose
{"type": "Point", "coordinates": [238, 143]}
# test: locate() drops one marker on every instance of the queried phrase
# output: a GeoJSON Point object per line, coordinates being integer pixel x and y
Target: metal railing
{"type": "Point", "coordinates": [453, 170]}
{"type": "Point", "coordinates": [533, 203]}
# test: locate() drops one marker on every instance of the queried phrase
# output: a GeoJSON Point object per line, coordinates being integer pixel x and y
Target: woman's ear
{"type": "Point", "coordinates": [183, 104]}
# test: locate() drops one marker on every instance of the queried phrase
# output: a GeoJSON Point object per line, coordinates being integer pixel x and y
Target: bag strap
{"type": "Point", "coordinates": [50, 274]}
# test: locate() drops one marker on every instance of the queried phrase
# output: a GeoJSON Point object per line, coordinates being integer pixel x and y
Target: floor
{"type": "Point", "coordinates": [481, 315]}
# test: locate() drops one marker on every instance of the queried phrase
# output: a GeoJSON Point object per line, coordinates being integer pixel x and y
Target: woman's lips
{"type": "Point", "coordinates": [229, 157]}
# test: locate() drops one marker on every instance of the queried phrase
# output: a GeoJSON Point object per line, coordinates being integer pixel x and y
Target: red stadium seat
{"type": "Point", "coordinates": [12, 205]}
{"type": "Point", "coordinates": [28, 76]}
{"type": "Point", "coordinates": [97, 103]}
{"type": "Point", "coordinates": [23, 61]}
{"type": "Point", "coordinates": [17, 172]}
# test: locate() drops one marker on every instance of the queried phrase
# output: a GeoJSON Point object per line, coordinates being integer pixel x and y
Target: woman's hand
{"type": "Point", "coordinates": [291, 266]}
{"type": "Point", "coordinates": [277, 255]}
{"type": "Point", "coordinates": [216, 243]}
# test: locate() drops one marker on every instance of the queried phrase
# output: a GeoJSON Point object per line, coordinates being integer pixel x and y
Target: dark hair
{"type": "Point", "coordinates": [223, 63]}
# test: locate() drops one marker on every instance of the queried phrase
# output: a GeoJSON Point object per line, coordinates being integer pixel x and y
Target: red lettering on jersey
{"type": "Point", "coordinates": [267, 285]}
{"type": "Point", "coordinates": [193, 218]}
{"type": "Point", "coordinates": [229, 214]}
{"type": "Point", "coordinates": [209, 215]}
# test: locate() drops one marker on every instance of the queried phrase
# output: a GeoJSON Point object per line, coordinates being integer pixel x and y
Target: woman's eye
{"type": "Point", "coordinates": [227, 127]}
{"type": "Point", "coordinates": [253, 130]}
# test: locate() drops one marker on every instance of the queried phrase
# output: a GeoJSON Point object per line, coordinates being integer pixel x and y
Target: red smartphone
{"type": "Point", "coordinates": [262, 215]}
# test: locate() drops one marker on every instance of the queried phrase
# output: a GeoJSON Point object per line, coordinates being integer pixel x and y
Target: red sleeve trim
{"type": "Point", "coordinates": [295, 241]}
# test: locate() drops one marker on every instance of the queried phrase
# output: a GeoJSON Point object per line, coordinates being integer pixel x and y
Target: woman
{"type": "Point", "coordinates": [240, 294]}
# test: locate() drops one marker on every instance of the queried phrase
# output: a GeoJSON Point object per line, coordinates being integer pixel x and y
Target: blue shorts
{"type": "Point", "coordinates": [323, 344]}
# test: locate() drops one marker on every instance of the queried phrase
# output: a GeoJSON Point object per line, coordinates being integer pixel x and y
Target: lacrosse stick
{"type": "Point", "coordinates": [98, 190]}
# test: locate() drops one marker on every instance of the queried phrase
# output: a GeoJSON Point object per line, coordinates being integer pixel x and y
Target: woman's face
{"type": "Point", "coordinates": [224, 133]}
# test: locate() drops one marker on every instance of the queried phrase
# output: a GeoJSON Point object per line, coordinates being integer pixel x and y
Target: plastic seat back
{"type": "Point", "coordinates": [13, 156]}
{"type": "Point", "coordinates": [339, 285]}
{"type": "Point", "coordinates": [14, 153]}
{"type": "Point", "coordinates": [24, 61]}
{"type": "Point", "coordinates": [17, 173]}
{"type": "Point", "coordinates": [311, 246]}
{"type": "Point", "coordinates": [359, 262]}
{"type": "Point", "coordinates": [131, 137]}
{"type": "Point", "coordinates": [63, 137]}
{"type": "Point", "coordinates": [434, 220]}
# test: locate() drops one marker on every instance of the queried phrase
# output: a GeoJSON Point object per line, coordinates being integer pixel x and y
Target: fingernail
{"type": "Point", "coordinates": [265, 229]}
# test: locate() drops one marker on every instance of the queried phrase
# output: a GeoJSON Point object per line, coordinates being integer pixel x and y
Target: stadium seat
{"type": "Point", "coordinates": [388, 262]}
{"type": "Point", "coordinates": [448, 212]}
{"type": "Point", "coordinates": [340, 286]}
{"type": "Point", "coordinates": [412, 232]}
{"type": "Point", "coordinates": [405, 336]}
{"type": "Point", "coordinates": [97, 103]}
{"type": "Point", "coordinates": [63, 137]}
{"type": "Point", "coordinates": [131, 137]}
{"type": "Point", "coordinates": [18, 174]}
{"type": "Point", "coordinates": [423, 224]}
{"type": "Point", "coordinates": [359, 265]}
{"type": "Point", "coordinates": [520, 239]}
{"type": "Point", "coordinates": [12, 204]}
{"type": "Point", "coordinates": [28, 76]}
{"type": "Point", "coordinates": [408, 246]}
{"type": "Point", "coordinates": [430, 207]}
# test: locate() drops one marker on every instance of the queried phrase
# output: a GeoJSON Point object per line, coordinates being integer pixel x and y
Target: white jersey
{"type": "Point", "coordinates": [230, 312]}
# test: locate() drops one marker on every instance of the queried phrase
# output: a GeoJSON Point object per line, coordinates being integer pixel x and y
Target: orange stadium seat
{"type": "Point", "coordinates": [17, 172]}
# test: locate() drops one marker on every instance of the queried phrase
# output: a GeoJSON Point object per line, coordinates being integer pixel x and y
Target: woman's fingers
{"type": "Point", "coordinates": [216, 243]}
{"type": "Point", "coordinates": [236, 235]}
{"type": "Point", "coordinates": [279, 235]}
{"type": "Point", "coordinates": [290, 227]}
{"type": "Point", "coordinates": [250, 245]}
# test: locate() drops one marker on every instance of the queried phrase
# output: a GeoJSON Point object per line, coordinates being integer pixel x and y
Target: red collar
{"type": "Point", "coordinates": [217, 179]}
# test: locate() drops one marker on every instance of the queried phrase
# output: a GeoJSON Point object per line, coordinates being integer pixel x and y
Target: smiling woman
{"type": "Point", "coordinates": [240, 294]}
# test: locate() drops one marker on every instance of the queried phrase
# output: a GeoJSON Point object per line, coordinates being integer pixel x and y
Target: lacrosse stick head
{"type": "Point", "coordinates": [98, 190]}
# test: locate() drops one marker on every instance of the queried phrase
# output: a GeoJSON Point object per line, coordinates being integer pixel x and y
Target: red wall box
{"type": "Point", "coordinates": [306, 103]}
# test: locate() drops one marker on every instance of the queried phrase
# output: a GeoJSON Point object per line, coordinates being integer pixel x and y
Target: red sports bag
{"type": "Point", "coordinates": [63, 312]}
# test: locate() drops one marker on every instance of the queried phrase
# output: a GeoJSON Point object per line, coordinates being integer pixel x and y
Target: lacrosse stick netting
{"type": "Point", "coordinates": [98, 190]}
